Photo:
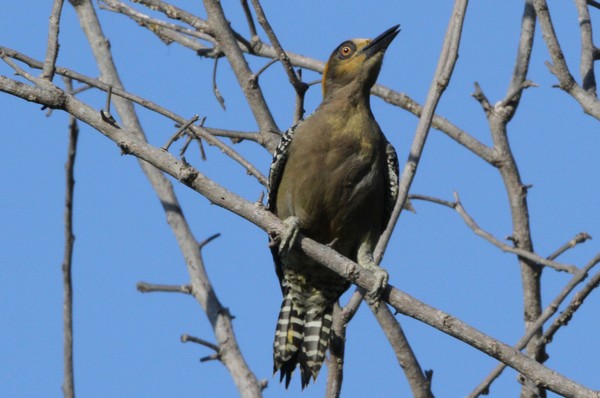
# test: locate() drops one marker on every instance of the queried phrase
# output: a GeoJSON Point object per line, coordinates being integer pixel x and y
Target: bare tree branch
{"type": "Point", "coordinates": [586, 65]}
{"type": "Point", "coordinates": [228, 43]}
{"type": "Point", "coordinates": [484, 386]}
{"type": "Point", "coordinates": [449, 54]}
{"type": "Point", "coordinates": [206, 133]}
{"type": "Point", "coordinates": [440, 81]}
{"type": "Point", "coordinates": [579, 238]}
{"type": "Point", "coordinates": [519, 78]}
{"type": "Point", "coordinates": [471, 223]}
{"type": "Point", "coordinates": [335, 363]}
{"type": "Point", "coordinates": [145, 287]}
{"type": "Point", "coordinates": [420, 384]}
{"type": "Point", "coordinates": [249, 19]}
{"type": "Point", "coordinates": [559, 68]}
{"type": "Point", "coordinates": [298, 85]}
{"type": "Point", "coordinates": [52, 48]}
{"type": "Point", "coordinates": [498, 117]}
{"type": "Point", "coordinates": [69, 379]}
{"type": "Point", "coordinates": [575, 303]}
{"type": "Point", "coordinates": [219, 318]}
{"type": "Point", "coordinates": [506, 248]}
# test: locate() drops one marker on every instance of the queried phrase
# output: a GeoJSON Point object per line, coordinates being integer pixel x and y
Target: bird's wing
{"type": "Point", "coordinates": [391, 181]}
{"type": "Point", "coordinates": [278, 165]}
{"type": "Point", "coordinates": [275, 173]}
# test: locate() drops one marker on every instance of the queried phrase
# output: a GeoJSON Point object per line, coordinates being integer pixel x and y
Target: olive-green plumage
{"type": "Point", "coordinates": [334, 178]}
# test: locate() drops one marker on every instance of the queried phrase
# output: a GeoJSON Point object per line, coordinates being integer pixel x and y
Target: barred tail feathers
{"type": "Point", "coordinates": [316, 334]}
{"type": "Point", "coordinates": [288, 339]}
{"type": "Point", "coordinates": [300, 338]}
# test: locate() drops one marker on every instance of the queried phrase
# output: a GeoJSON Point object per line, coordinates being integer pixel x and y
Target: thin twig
{"type": "Point", "coordinates": [215, 88]}
{"type": "Point", "coordinates": [249, 19]}
{"type": "Point", "coordinates": [193, 135]}
{"type": "Point", "coordinates": [264, 68]}
{"type": "Point", "coordinates": [482, 99]}
{"type": "Point", "coordinates": [152, 23]}
{"type": "Point", "coordinates": [68, 386]}
{"type": "Point", "coordinates": [18, 70]}
{"type": "Point", "coordinates": [507, 248]}
{"type": "Point", "coordinates": [186, 338]}
{"type": "Point", "coordinates": [575, 303]}
{"type": "Point", "coordinates": [205, 133]}
{"type": "Point", "coordinates": [106, 115]}
{"type": "Point", "coordinates": [299, 104]}
{"type": "Point", "coordinates": [519, 80]}
{"type": "Point", "coordinates": [180, 132]}
{"type": "Point", "coordinates": [208, 240]}
{"type": "Point", "coordinates": [579, 238]}
{"type": "Point", "coordinates": [459, 208]}
{"type": "Point", "coordinates": [515, 92]}
{"type": "Point", "coordinates": [52, 48]}
{"type": "Point", "coordinates": [298, 85]}
{"type": "Point", "coordinates": [145, 287]}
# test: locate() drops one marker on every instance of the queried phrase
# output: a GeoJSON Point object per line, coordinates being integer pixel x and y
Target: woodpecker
{"type": "Point", "coordinates": [334, 178]}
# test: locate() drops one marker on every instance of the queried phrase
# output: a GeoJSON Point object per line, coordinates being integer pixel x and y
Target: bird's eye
{"type": "Point", "coordinates": [346, 49]}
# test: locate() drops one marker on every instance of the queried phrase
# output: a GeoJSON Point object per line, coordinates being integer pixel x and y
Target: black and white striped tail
{"type": "Point", "coordinates": [300, 338]}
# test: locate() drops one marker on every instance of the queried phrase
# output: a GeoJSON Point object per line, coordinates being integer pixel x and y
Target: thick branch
{"type": "Point", "coordinates": [220, 319]}
{"type": "Point", "coordinates": [419, 383]}
{"type": "Point", "coordinates": [586, 65]}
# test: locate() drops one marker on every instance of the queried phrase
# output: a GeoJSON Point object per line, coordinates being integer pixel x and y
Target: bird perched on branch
{"type": "Point", "coordinates": [334, 178]}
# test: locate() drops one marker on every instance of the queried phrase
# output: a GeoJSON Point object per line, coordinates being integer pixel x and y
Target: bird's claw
{"type": "Point", "coordinates": [373, 297]}
{"type": "Point", "coordinates": [290, 235]}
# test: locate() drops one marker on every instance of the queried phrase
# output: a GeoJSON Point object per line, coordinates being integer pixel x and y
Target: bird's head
{"type": "Point", "coordinates": [357, 61]}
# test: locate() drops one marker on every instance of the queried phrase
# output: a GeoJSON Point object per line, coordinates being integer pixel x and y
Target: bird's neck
{"type": "Point", "coordinates": [354, 97]}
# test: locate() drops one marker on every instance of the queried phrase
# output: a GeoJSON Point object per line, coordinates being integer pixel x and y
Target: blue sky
{"type": "Point", "coordinates": [127, 343]}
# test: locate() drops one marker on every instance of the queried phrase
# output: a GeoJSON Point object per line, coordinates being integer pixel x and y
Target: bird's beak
{"type": "Point", "coordinates": [381, 42]}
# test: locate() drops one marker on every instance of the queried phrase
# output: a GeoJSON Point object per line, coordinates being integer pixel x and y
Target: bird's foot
{"type": "Point", "coordinates": [373, 296]}
{"type": "Point", "coordinates": [288, 238]}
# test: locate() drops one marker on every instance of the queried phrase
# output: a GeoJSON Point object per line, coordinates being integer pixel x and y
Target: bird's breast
{"type": "Point", "coordinates": [332, 177]}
